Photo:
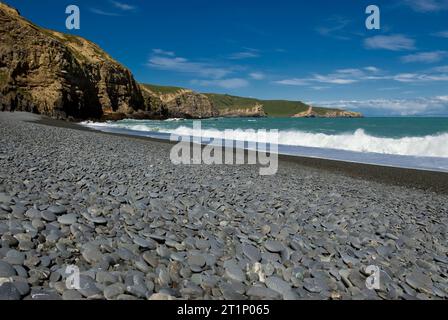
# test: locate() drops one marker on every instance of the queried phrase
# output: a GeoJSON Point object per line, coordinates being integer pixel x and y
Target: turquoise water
{"type": "Point", "coordinates": [410, 142]}
{"type": "Point", "coordinates": [377, 127]}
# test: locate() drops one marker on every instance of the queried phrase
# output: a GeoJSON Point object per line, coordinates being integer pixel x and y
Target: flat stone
{"type": "Point", "coordinates": [71, 295]}
{"type": "Point", "coordinates": [274, 246]}
{"type": "Point", "coordinates": [252, 253]}
{"type": "Point", "coordinates": [6, 270]}
{"type": "Point", "coordinates": [113, 291]}
{"type": "Point", "coordinates": [88, 288]}
{"type": "Point", "coordinates": [92, 255]}
{"type": "Point", "coordinates": [68, 219]}
{"type": "Point", "coordinates": [279, 285]}
{"type": "Point", "coordinates": [48, 216]}
{"type": "Point", "coordinates": [14, 257]}
{"type": "Point", "coordinates": [263, 293]}
{"type": "Point", "coordinates": [57, 210]}
{"type": "Point", "coordinates": [9, 292]}
{"type": "Point", "coordinates": [420, 282]}
{"type": "Point", "coordinates": [144, 243]}
{"type": "Point", "coordinates": [196, 261]}
{"type": "Point", "coordinates": [234, 272]}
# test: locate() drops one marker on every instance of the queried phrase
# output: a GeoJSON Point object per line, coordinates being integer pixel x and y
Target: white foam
{"type": "Point", "coordinates": [429, 146]}
{"type": "Point", "coordinates": [359, 141]}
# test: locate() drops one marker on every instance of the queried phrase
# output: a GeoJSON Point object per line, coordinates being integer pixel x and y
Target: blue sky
{"type": "Point", "coordinates": [316, 51]}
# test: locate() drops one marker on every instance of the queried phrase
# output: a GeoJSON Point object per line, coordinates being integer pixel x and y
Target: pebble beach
{"type": "Point", "coordinates": [138, 227]}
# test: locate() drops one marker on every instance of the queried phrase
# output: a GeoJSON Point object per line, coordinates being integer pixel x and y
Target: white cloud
{"type": "Point", "coordinates": [350, 76]}
{"type": "Point", "coordinates": [166, 60]}
{"type": "Point", "coordinates": [333, 79]}
{"type": "Point", "coordinates": [372, 69]}
{"type": "Point", "coordinates": [104, 13]}
{"type": "Point", "coordinates": [425, 57]}
{"type": "Point", "coordinates": [257, 75]}
{"type": "Point", "coordinates": [123, 6]}
{"type": "Point", "coordinates": [442, 34]}
{"type": "Point", "coordinates": [339, 77]}
{"type": "Point", "coordinates": [293, 82]}
{"type": "Point", "coordinates": [395, 107]}
{"type": "Point", "coordinates": [244, 55]}
{"type": "Point", "coordinates": [418, 77]}
{"type": "Point", "coordinates": [163, 52]}
{"type": "Point", "coordinates": [335, 29]}
{"type": "Point", "coordinates": [393, 42]}
{"type": "Point", "coordinates": [440, 69]}
{"type": "Point", "coordinates": [233, 83]}
{"type": "Point", "coordinates": [427, 5]}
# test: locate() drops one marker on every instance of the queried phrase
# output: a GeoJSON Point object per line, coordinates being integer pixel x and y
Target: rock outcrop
{"type": "Point", "coordinates": [255, 112]}
{"type": "Point", "coordinates": [180, 103]}
{"type": "Point", "coordinates": [60, 75]}
{"type": "Point", "coordinates": [311, 113]}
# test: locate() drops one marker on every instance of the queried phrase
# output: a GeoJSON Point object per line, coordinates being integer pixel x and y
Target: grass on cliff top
{"type": "Point", "coordinates": [162, 89]}
{"type": "Point", "coordinates": [274, 108]}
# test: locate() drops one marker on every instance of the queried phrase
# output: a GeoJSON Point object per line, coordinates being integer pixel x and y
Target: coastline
{"type": "Point", "coordinates": [412, 178]}
{"type": "Point", "coordinates": [138, 227]}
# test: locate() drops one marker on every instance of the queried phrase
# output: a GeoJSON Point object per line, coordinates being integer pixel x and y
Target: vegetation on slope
{"type": "Point", "coordinates": [273, 108]}
{"type": "Point", "coordinates": [162, 90]}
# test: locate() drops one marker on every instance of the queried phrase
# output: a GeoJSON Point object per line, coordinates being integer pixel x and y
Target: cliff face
{"type": "Point", "coordinates": [60, 75]}
{"type": "Point", "coordinates": [310, 113]}
{"type": "Point", "coordinates": [255, 112]}
{"type": "Point", "coordinates": [180, 103]}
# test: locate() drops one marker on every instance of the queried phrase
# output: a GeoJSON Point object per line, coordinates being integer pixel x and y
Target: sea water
{"type": "Point", "coordinates": [419, 143]}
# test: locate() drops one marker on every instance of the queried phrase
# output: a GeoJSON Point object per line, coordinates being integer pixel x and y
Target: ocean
{"type": "Point", "coordinates": [418, 143]}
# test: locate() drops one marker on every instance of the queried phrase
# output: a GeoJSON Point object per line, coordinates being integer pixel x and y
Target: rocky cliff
{"type": "Point", "coordinates": [311, 113]}
{"type": "Point", "coordinates": [251, 112]}
{"type": "Point", "coordinates": [179, 103]}
{"type": "Point", "coordinates": [59, 75]}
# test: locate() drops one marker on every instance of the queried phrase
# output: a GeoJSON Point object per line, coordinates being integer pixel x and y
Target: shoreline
{"type": "Point", "coordinates": [138, 226]}
{"type": "Point", "coordinates": [434, 181]}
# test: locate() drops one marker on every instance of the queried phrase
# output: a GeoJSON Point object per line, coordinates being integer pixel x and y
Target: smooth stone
{"type": "Point", "coordinates": [263, 293]}
{"type": "Point", "coordinates": [88, 288]}
{"type": "Point", "coordinates": [57, 210]}
{"type": "Point", "coordinates": [234, 272]}
{"type": "Point", "coordinates": [9, 292]}
{"type": "Point", "coordinates": [274, 246]}
{"type": "Point", "coordinates": [92, 255]}
{"type": "Point", "coordinates": [48, 216]}
{"type": "Point", "coordinates": [149, 244]}
{"type": "Point", "coordinates": [106, 278]}
{"type": "Point", "coordinates": [14, 257]}
{"type": "Point", "coordinates": [252, 253]}
{"type": "Point", "coordinates": [68, 219]}
{"type": "Point", "coordinates": [197, 261]}
{"type": "Point", "coordinates": [6, 270]}
{"type": "Point", "coordinates": [22, 285]}
{"type": "Point", "coordinates": [113, 291]}
{"type": "Point", "coordinates": [420, 282]}
{"type": "Point", "coordinates": [71, 295]}
{"type": "Point", "coordinates": [280, 286]}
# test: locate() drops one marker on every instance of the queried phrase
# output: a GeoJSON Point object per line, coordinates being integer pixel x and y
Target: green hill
{"type": "Point", "coordinates": [273, 108]}
{"type": "Point", "coordinates": [161, 90]}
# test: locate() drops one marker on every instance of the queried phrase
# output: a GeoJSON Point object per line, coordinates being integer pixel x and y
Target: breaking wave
{"type": "Point", "coordinates": [358, 141]}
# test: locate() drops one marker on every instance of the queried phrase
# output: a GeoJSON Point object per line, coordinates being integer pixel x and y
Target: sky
{"type": "Point", "coordinates": [318, 51]}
